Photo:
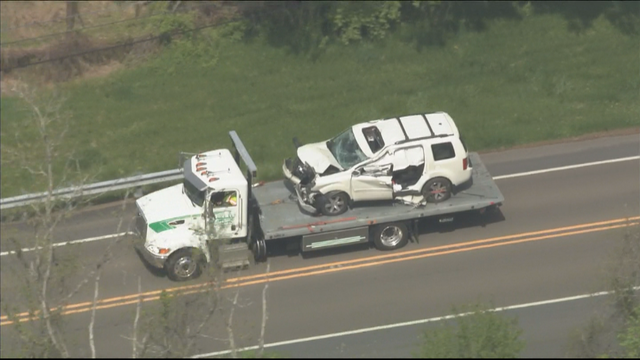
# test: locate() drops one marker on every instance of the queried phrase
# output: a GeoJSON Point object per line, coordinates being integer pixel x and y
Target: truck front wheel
{"type": "Point", "coordinates": [390, 236]}
{"type": "Point", "coordinates": [184, 264]}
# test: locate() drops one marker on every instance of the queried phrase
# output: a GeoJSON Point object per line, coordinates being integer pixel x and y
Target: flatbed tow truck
{"type": "Point", "coordinates": [179, 224]}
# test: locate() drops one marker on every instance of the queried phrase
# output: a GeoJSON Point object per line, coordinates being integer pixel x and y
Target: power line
{"type": "Point", "coordinates": [139, 41]}
{"type": "Point", "coordinates": [84, 28]}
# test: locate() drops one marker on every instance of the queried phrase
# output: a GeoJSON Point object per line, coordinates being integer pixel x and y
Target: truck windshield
{"type": "Point", "coordinates": [196, 196]}
{"type": "Point", "coordinates": [345, 149]}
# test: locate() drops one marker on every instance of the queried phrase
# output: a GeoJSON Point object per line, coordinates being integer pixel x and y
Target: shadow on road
{"type": "Point", "coordinates": [159, 273]}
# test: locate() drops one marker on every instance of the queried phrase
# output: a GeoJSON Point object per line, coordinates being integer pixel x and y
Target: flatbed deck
{"type": "Point", "coordinates": [283, 217]}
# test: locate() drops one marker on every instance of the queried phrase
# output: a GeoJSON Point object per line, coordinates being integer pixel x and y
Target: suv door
{"type": "Point", "coordinates": [372, 181]}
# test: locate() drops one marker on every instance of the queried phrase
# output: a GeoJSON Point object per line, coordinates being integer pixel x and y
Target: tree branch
{"type": "Point", "coordinates": [135, 321]}
{"type": "Point", "coordinates": [93, 316]}
{"type": "Point", "coordinates": [265, 316]}
{"type": "Point", "coordinates": [232, 342]}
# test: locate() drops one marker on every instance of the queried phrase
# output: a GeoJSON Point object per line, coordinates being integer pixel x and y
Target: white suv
{"type": "Point", "coordinates": [381, 160]}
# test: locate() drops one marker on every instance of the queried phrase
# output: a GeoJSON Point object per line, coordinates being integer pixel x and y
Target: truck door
{"type": "Point", "coordinates": [223, 214]}
{"type": "Point", "coordinates": [372, 181]}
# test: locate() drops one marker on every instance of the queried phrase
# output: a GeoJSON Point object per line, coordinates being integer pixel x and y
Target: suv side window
{"type": "Point", "coordinates": [443, 151]}
{"type": "Point", "coordinates": [374, 138]}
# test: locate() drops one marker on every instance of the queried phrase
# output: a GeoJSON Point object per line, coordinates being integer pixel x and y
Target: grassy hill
{"type": "Point", "coordinates": [516, 82]}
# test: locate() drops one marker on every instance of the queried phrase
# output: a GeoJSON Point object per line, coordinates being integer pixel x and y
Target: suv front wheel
{"type": "Point", "coordinates": [437, 190]}
{"type": "Point", "coordinates": [333, 203]}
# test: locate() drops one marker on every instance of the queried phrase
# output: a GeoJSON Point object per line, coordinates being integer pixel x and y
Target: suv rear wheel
{"type": "Point", "coordinates": [437, 190]}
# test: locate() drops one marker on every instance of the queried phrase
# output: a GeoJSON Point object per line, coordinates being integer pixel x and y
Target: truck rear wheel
{"type": "Point", "coordinates": [259, 250]}
{"type": "Point", "coordinates": [184, 264]}
{"type": "Point", "coordinates": [390, 236]}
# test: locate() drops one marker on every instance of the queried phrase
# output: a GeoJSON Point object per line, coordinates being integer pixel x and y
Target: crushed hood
{"type": "Point", "coordinates": [318, 156]}
{"type": "Point", "coordinates": [166, 204]}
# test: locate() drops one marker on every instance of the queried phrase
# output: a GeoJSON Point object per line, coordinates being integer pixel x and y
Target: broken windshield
{"type": "Point", "coordinates": [345, 149]}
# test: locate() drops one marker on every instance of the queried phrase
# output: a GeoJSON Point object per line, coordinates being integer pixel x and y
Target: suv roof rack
{"type": "Point", "coordinates": [422, 138]}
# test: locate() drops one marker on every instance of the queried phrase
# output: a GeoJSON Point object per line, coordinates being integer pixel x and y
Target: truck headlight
{"type": "Point", "coordinates": [157, 250]}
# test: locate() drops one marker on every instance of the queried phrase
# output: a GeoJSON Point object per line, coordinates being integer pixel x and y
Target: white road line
{"type": "Point", "coordinates": [404, 324]}
{"type": "Point", "coordinates": [104, 237]}
{"type": "Point", "coordinates": [528, 173]}
{"type": "Point", "coordinates": [569, 167]}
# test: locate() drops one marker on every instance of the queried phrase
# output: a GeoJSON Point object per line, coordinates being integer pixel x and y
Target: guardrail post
{"type": "Point", "coordinates": [138, 193]}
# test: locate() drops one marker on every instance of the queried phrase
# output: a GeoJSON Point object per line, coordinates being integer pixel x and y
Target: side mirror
{"type": "Point", "coordinates": [357, 172]}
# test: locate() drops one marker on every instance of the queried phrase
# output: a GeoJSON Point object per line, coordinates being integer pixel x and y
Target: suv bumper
{"type": "Point", "coordinates": [301, 200]}
{"type": "Point", "coordinates": [287, 169]}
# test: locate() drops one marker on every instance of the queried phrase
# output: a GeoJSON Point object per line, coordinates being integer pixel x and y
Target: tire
{"type": "Point", "coordinates": [390, 236]}
{"type": "Point", "coordinates": [333, 204]}
{"type": "Point", "coordinates": [259, 250]}
{"type": "Point", "coordinates": [184, 264]}
{"type": "Point", "coordinates": [437, 190]}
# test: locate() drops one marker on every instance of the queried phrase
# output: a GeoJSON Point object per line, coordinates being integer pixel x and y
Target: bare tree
{"type": "Point", "coordinates": [602, 335]}
{"type": "Point", "coordinates": [171, 326]}
{"type": "Point", "coordinates": [48, 279]}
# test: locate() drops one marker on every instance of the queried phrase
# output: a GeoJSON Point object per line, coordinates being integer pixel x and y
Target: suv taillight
{"type": "Point", "coordinates": [465, 162]}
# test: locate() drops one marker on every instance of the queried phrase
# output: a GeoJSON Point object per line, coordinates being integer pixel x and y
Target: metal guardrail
{"type": "Point", "coordinates": [97, 188]}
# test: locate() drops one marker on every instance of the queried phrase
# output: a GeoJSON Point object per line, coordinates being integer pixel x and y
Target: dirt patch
{"type": "Point", "coordinates": [29, 19]}
{"type": "Point", "coordinates": [54, 55]}
{"type": "Point", "coordinates": [50, 63]}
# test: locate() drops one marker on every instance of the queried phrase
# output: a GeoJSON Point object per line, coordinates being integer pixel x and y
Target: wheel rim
{"type": "Point", "coordinates": [335, 204]}
{"type": "Point", "coordinates": [391, 236]}
{"type": "Point", "coordinates": [438, 190]}
{"type": "Point", "coordinates": [185, 267]}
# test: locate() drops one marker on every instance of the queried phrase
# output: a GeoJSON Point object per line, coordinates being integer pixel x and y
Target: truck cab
{"type": "Point", "coordinates": [178, 223]}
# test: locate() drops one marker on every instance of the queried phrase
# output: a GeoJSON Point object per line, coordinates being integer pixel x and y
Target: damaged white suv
{"type": "Point", "coordinates": [381, 160]}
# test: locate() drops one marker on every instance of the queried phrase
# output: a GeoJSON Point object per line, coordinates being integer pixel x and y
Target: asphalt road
{"type": "Point", "coordinates": [543, 326]}
{"type": "Point", "coordinates": [423, 280]}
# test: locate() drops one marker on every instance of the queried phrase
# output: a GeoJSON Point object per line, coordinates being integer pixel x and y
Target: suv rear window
{"type": "Point", "coordinates": [443, 151]}
{"type": "Point", "coordinates": [374, 138]}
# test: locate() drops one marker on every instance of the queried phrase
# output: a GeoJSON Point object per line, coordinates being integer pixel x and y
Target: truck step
{"type": "Point", "coordinates": [234, 256]}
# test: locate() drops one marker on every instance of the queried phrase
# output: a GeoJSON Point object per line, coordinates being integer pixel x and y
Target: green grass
{"type": "Point", "coordinates": [518, 82]}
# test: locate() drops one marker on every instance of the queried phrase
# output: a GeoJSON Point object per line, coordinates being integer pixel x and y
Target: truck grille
{"type": "Point", "coordinates": [141, 226]}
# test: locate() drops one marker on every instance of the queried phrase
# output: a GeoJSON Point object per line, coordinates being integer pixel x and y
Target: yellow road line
{"type": "Point", "coordinates": [281, 275]}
